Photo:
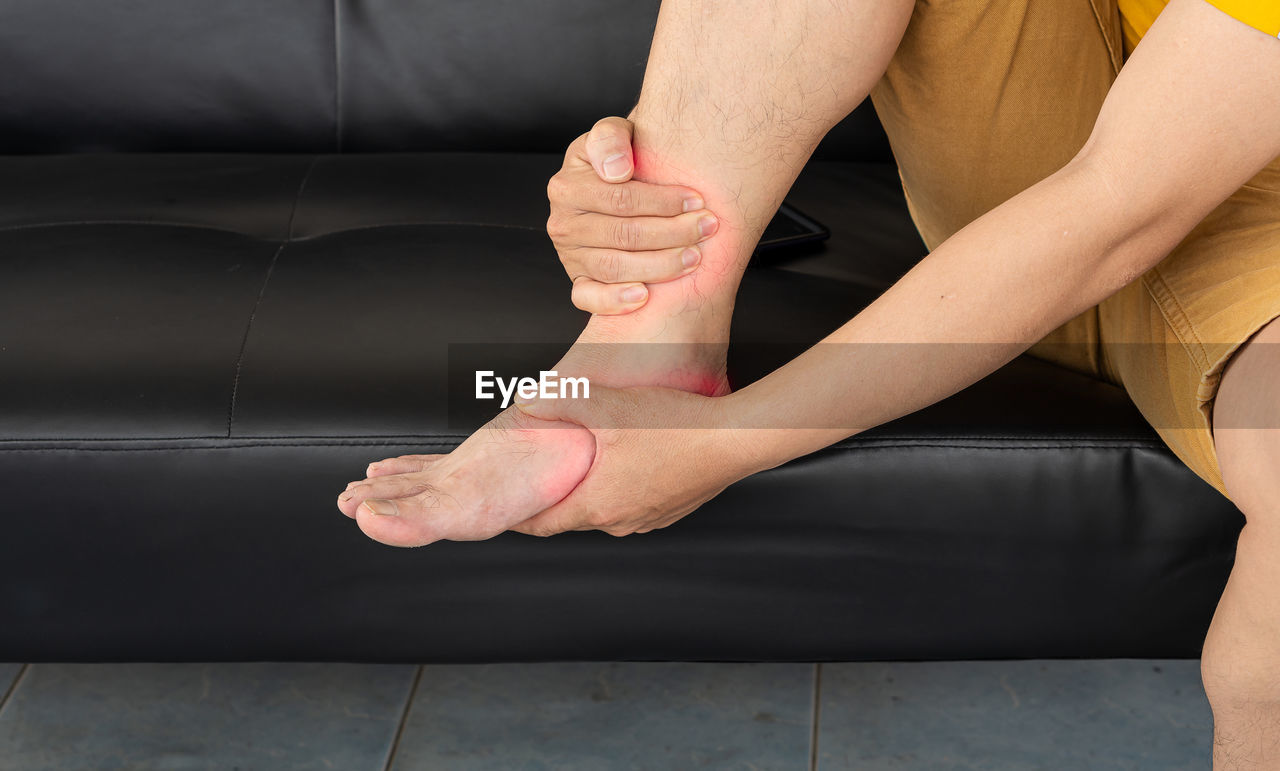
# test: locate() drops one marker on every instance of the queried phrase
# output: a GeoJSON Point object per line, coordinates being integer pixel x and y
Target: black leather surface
{"type": "Point", "coordinates": [568, 65]}
{"type": "Point", "coordinates": [329, 76]}
{"type": "Point", "coordinates": [167, 75]}
{"type": "Point", "coordinates": [94, 347]}
{"type": "Point", "coordinates": [246, 195]}
{"type": "Point", "coordinates": [970, 549]}
{"type": "Point", "coordinates": [186, 388]}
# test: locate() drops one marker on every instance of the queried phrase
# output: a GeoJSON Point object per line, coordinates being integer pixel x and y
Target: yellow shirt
{"type": "Point", "coordinates": [1136, 16]}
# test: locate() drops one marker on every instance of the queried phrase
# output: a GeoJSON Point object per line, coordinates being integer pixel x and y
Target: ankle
{"type": "Point", "coordinates": [612, 357]}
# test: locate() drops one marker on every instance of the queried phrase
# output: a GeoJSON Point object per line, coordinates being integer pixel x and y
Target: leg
{"type": "Point", "coordinates": [735, 99]}
{"type": "Point", "coordinates": [1194, 342]}
{"type": "Point", "coordinates": [1240, 663]}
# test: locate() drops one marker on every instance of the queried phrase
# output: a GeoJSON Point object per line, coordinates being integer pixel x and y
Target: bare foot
{"type": "Point", "coordinates": [518, 466]}
{"type": "Point", "coordinates": [506, 472]}
{"type": "Point", "coordinates": [515, 466]}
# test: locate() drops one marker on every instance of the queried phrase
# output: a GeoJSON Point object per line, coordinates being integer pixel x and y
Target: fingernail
{"type": "Point", "coordinates": [372, 467]}
{"type": "Point", "coordinates": [382, 508]}
{"type": "Point", "coordinates": [633, 294]}
{"type": "Point", "coordinates": [689, 257]}
{"type": "Point", "coordinates": [616, 166]}
{"type": "Point", "coordinates": [693, 204]}
{"type": "Point", "coordinates": [523, 400]}
{"type": "Point", "coordinates": [707, 225]}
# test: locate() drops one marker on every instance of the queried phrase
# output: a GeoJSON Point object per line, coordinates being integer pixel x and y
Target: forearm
{"type": "Point", "coordinates": [977, 301]}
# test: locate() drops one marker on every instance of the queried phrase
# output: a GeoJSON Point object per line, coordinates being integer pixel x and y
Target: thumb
{"type": "Point", "coordinates": [588, 411]}
{"type": "Point", "coordinates": [609, 149]}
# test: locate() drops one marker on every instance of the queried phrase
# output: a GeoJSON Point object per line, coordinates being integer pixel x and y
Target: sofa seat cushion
{"type": "Point", "coordinates": [199, 351]}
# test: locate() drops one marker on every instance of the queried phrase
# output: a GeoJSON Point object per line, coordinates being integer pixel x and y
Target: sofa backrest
{"type": "Point", "coordinates": [328, 75]}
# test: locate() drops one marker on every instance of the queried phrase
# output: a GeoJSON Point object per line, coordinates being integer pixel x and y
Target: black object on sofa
{"type": "Point", "coordinates": [237, 239]}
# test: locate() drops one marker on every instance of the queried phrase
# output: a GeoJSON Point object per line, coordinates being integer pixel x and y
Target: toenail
{"type": "Point", "coordinates": [372, 468]}
{"type": "Point", "coordinates": [345, 496]}
{"type": "Point", "coordinates": [382, 508]}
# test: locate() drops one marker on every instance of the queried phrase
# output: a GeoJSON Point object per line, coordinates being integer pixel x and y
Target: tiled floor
{"type": "Point", "coordinates": [1053, 714]}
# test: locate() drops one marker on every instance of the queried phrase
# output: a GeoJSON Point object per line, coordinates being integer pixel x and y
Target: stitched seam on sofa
{"type": "Point", "coordinates": [404, 224]}
{"type": "Point", "coordinates": [245, 445]}
{"type": "Point", "coordinates": [423, 438]}
{"type": "Point", "coordinates": [249, 446]}
{"type": "Point", "coordinates": [1019, 448]}
{"type": "Point", "coordinates": [870, 441]}
{"type": "Point", "coordinates": [244, 342]}
{"type": "Point", "coordinates": [1005, 445]}
{"type": "Point", "coordinates": [158, 223]}
{"type": "Point", "coordinates": [337, 76]}
{"type": "Point", "coordinates": [442, 444]}
{"type": "Point", "coordinates": [1005, 438]}
{"type": "Point", "coordinates": [199, 226]}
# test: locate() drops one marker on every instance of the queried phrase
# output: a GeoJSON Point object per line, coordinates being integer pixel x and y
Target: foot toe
{"type": "Point", "coordinates": [397, 522]}
{"type": "Point", "coordinates": [390, 486]}
{"type": "Point", "coordinates": [403, 464]}
{"type": "Point", "coordinates": [382, 507]}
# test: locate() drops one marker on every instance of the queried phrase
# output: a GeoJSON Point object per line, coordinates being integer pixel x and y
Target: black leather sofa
{"type": "Point", "coordinates": [237, 240]}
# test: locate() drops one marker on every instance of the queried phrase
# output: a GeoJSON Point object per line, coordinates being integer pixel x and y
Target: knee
{"type": "Point", "coordinates": [1249, 461]}
{"type": "Point", "coordinates": [1248, 453]}
{"type": "Point", "coordinates": [1234, 688]}
{"type": "Point", "coordinates": [1246, 416]}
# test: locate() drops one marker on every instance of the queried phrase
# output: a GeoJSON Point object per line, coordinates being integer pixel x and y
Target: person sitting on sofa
{"type": "Point", "coordinates": [1121, 220]}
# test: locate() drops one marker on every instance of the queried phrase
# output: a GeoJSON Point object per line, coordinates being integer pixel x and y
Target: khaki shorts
{"type": "Point", "coordinates": [984, 99]}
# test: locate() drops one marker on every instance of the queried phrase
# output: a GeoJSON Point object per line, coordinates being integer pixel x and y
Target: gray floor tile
{"type": "Point", "coordinates": [271, 716]}
{"type": "Point", "coordinates": [8, 673]}
{"type": "Point", "coordinates": [609, 715]}
{"type": "Point", "coordinates": [1013, 715]}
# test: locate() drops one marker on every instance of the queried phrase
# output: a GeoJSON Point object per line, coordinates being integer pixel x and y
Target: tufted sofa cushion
{"type": "Point", "coordinates": [198, 351]}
